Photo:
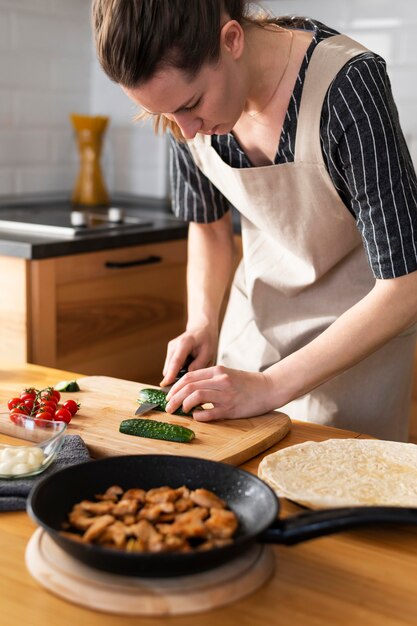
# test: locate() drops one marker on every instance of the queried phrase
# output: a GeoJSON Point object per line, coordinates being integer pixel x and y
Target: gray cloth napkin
{"type": "Point", "coordinates": [14, 493]}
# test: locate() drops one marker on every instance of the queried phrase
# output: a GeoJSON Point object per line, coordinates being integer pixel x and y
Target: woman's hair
{"type": "Point", "coordinates": [136, 38]}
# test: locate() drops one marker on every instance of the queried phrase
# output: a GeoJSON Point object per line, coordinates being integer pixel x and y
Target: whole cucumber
{"type": "Point", "coordinates": [156, 430]}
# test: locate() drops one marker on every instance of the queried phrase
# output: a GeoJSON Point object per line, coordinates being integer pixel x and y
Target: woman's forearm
{"type": "Point", "coordinates": [386, 311]}
{"type": "Point", "coordinates": [209, 270]}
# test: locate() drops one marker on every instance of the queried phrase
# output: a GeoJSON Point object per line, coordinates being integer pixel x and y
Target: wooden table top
{"type": "Point", "coordinates": [366, 577]}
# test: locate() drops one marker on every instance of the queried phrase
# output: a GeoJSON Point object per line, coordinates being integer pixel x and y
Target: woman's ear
{"type": "Point", "coordinates": [232, 38]}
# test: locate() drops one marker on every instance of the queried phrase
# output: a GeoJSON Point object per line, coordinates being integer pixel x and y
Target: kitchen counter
{"type": "Point", "coordinates": [366, 577]}
{"type": "Point", "coordinates": [30, 245]}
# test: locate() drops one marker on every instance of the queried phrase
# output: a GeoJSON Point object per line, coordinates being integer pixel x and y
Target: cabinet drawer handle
{"type": "Point", "coordinates": [119, 265]}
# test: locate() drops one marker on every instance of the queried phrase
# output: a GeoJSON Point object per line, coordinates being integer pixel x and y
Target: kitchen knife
{"type": "Point", "coordinates": [145, 407]}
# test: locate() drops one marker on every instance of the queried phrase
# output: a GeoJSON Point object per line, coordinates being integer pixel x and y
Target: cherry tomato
{"type": "Point", "coordinates": [48, 405]}
{"type": "Point", "coordinates": [27, 395]}
{"type": "Point", "coordinates": [29, 405]}
{"type": "Point", "coordinates": [48, 410]}
{"type": "Point", "coordinates": [56, 395]}
{"type": "Point", "coordinates": [47, 393]}
{"type": "Point", "coordinates": [44, 415]}
{"type": "Point", "coordinates": [15, 414]}
{"type": "Point", "coordinates": [14, 402]}
{"type": "Point", "coordinates": [72, 406]}
{"type": "Point", "coordinates": [20, 410]}
{"type": "Point", "coordinates": [62, 415]}
{"type": "Point", "coordinates": [41, 419]}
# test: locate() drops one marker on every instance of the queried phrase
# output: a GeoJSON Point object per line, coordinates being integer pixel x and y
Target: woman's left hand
{"type": "Point", "coordinates": [233, 393]}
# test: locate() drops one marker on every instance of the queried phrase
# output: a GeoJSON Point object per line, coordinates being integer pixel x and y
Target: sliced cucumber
{"type": "Point", "coordinates": [159, 397]}
{"type": "Point", "coordinates": [67, 385]}
{"type": "Point", "coordinates": [156, 430]}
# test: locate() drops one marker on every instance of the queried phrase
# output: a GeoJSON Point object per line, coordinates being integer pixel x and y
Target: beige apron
{"type": "Point", "coordinates": [303, 265]}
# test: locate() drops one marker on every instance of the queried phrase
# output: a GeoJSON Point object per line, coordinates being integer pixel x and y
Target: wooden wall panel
{"type": "Point", "coordinates": [42, 336]}
{"type": "Point", "coordinates": [14, 315]}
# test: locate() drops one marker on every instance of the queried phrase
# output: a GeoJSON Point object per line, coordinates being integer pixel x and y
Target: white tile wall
{"type": "Point", "coordinates": [6, 109]}
{"type": "Point", "coordinates": [45, 74]}
{"type": "Point", "coordinates": [7, 181]}
{"type": "Point", "coordinates": [15, 143]}
{"type": "Point", "coordinates": [134, 159]}
{"type": "Point", "coordinates": [48, 70]}
{"type": "Point", "coordinates": [141, 160]}
{"type": "Point", "coordinates": [4, 30]}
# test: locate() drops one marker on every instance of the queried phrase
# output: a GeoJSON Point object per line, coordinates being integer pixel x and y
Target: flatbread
{"type": "Point", "coordinates": [344, 472]}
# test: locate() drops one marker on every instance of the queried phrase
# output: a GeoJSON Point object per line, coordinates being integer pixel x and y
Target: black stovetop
{"type": "Point", "coordinates": [66, 220]}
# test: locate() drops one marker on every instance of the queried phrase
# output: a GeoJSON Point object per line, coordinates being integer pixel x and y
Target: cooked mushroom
{"type": "Point", "coordinates": [206, 498]}
{"type": "Point", "coordinates": [159, 520]}
{"type": "Point", "coordinates": [222, 523]}
{"type": "Point", "coordinates": [95, 530]}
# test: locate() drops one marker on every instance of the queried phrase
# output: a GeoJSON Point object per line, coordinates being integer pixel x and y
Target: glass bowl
{"type": "Point", "coordinates": [28, 446]}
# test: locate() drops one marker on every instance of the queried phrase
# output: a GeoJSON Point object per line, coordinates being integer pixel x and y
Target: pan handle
{"type": "Point", "coordinates": [313, 524]}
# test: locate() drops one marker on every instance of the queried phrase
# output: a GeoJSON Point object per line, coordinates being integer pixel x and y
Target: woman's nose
{"type": "Point", "coordinates": [189, 125]}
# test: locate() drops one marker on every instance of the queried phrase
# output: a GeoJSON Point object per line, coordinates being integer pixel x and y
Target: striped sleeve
{"type": "Point", "coordinates": [370, 165]}
{"type": "Point", "coordinates": [194, 198]}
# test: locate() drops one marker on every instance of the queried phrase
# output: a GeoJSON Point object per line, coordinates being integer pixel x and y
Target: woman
{"type": "Point", "coordinates": [295, 126]}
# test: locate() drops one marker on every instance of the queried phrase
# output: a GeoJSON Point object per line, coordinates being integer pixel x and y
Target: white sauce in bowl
{"type": "Point", "coordinates": [16, 460]}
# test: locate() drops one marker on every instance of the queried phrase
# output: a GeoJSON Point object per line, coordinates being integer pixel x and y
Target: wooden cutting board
{"type": "Point", "coordinates": [106, 401]}
{"type": "Point", "coordinates": [71, 580]}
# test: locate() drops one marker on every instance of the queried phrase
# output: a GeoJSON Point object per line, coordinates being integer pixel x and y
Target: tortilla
{"type": "Point", "coordinates": [344, 472]}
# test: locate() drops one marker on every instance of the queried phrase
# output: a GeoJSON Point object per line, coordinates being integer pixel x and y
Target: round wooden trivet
{"type": "Point", "coordinates": [126, 595]}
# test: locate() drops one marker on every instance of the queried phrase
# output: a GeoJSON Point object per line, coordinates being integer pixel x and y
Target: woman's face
{"type": "Point", "coordinates": [210, 103]}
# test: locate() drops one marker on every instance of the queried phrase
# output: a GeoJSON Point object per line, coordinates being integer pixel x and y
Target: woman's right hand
{"type": "Point", "coordinates": [200, 343]}
{"type": "Point", "coordinates": [209, 271]}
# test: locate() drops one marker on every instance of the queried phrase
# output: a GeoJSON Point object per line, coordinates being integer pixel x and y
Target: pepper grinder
{"type": "Point", "coordinates": [90, 189]}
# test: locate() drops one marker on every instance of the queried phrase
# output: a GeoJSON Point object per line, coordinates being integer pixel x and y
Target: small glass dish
{"type": "Point", "coordinates": [28, 446]}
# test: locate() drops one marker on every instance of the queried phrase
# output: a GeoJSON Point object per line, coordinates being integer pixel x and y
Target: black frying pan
{"type": "Point", "coordinates": [255, 504]}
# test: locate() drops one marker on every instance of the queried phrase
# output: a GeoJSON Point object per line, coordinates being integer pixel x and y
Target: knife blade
{"type": "Point", "coordinates": [145, 407]}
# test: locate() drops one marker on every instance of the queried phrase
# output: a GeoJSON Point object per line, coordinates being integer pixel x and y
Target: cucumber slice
{"type": "Point", "coordinates": [159, 397]}
{"type": "Point", "coordinates": [67, 385]}
{"type": "Point", "coordinates": [156, 430]}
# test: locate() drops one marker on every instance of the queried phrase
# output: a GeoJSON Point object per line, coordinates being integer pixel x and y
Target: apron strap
{"type": "Point", "coordinates": [328, 58]}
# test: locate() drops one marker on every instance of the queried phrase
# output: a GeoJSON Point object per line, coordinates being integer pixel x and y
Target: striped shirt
{"type": "Point", "coordinates": [363, 149]}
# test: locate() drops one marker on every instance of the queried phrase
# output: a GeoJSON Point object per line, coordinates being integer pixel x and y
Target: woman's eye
{"type": "Point", "coordinates": [191, 108]}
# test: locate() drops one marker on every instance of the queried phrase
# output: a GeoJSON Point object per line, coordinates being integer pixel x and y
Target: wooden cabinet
{"type": "Point", "coordinates": [110, 312]}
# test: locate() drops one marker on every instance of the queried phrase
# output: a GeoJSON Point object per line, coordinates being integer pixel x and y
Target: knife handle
{"type": "Point", "coordinates": [185, 367]}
